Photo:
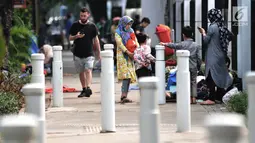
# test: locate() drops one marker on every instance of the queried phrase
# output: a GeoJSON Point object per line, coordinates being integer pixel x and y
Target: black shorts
{"type": "Point", "coordinates": [143, 72]}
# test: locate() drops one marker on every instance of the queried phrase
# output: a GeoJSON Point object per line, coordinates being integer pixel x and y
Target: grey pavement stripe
{"type": "Point", "coordinates": [96, 128]}
{"type": "Point", "coordinates": [117, 125]}
{"type": "Point", "coordinates": [121, 128]}
{"type": "Point", "coordinates": [52, 134]}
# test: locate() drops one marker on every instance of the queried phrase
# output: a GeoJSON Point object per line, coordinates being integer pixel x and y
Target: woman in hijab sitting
{"type": "Point", "coordinates": [217, 39]}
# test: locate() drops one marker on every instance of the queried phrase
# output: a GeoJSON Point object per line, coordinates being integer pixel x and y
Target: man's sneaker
{"type": "Point", "coordinates": [88, 92]}
{"type": "Point", "coordinates": [83, 94]}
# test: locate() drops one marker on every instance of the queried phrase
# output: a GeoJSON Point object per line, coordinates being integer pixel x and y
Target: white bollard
{"type": "Point", "coordinates": [37, 61]}
{"type": "Point", "coordinates": [149, 110]}
{"type": "Point", "coordinates": [19, 128]}
{"type": "Point", "coordinates": [183, 91]}
{"type": "Point", "coordinates": [250, 84]}
{"type": "Point", "coordinates": [107, 93]}
{"type": "Point", "coordinates": [57, 77]}
{"type": "Point", "coordinates": [35, 104]}
{"type": "Point", "coordinates": [224, 127]}
{"type": "Point", "coordinates": [160, 73]}
{"type": "Point", "coordinates": [109, 47]}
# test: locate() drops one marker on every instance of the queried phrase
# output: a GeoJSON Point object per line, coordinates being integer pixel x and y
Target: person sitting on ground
{"type": "Point", "coordinates": [195, 57]}
{"type": "Point", "coordinates": [47, 50]}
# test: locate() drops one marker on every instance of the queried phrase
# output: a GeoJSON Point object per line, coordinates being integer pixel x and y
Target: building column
{"type": "Point", "coordinates": [178, 20]}
{"type": "Point", "coordinates": [211, 5]}
{"type": "Point", "coordinates": [244, 39]}
{"type": "Point", "coordinates": [109, 9]}
{"type": "Point", "coordinates": [230, 29]}
{"type": "Point", "coordinates": [120, 3]}
{"type": "Point", "coordinates": [171, 5]}
{"type": "Point", "coordinates": [186, 12]}
{"type": "Point", "coordinates": [153, 9]}
{"type": "Point", "coordinates": [198, 21]}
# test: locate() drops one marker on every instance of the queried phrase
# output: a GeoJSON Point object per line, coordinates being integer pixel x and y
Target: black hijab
{"type": "Point", "coordinates": [215, 16]}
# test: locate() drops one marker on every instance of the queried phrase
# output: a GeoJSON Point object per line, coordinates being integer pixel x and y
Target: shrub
{"type": "Point", "coordinates": [238, 103]}
{"type": "Point", "coordinates": [12, 83]}
{"type": "Point", "coordinates": [19, 48]}
{"type": "Point", "coordinates": [9, 103]}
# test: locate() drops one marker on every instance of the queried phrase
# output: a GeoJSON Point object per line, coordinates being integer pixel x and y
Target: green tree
{"type": "Point", "coordinates": [23, 17]}
{"type": "Point", "coordinates": [6, 21]}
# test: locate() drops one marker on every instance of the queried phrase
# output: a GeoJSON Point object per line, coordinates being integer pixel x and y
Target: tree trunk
{"type": "Point", "coordinates": [6, 20]}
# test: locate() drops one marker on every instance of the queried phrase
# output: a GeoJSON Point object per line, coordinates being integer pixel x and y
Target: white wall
{"type": "Point", "coordinates": [154, 9]}
{"type": "Point", "coordinates": [244, 42]}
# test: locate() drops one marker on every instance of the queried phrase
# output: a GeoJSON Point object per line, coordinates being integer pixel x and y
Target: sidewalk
{"type": "Point", "coordinates": [79, 119]}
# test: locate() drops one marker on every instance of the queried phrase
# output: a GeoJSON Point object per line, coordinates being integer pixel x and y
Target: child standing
{"type": "Point", "coordinates": [143, 57]}
{"type": "Point", "coordinates": [194, 59]}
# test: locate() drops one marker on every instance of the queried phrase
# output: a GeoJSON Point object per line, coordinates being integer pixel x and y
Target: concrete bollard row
{"type": "Point", "coordinates": [35, 104]}
{"type": "Point", "coordinates": [183, 91]}
{"type": "Point", "coordinates": [57, 77]}
{"type": "Point", "coordinates": [250, 84]}
{"type": "Point", "coordinates": [107, 92]}
{"type": "Point", "coordinates": [108, 47]}
{"type": "Point", "coordinates": [224, 127]}
{"type": "Point", "coordinates": [37, 61]}
{"type": "Point", "coordinates": [160, 73]}
{"type": "Point", "coordinates": [35, 94]}
{"type": "Point", "coordinates": [19, 129]}
{"type": "Point", "coordinates": [149, 110]}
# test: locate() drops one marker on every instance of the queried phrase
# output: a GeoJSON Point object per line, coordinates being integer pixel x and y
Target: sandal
{"type": "Point", "coordinates": [125, 100]}
{"type": "Point", "coordinates": [207, 102]}
{"type": "Point", "coordinates": [121, 99]}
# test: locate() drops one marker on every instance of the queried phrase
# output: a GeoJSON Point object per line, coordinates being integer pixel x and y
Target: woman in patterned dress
{"type": "Point", "coordinates": [125, 62]}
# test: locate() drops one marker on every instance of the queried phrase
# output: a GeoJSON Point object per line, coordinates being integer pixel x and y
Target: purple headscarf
{"type": "Point", "coordinates": [122, 31]}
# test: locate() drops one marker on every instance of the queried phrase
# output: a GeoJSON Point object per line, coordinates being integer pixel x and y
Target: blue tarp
{"type": "Point", "coordinates": [33, 47]}
{"type": "Point", "coordinates": [171, 80]}
{"type": "Point", "coordinates": [136, 87]}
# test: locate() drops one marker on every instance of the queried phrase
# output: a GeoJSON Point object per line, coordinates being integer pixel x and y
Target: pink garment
{"type": "Point", "coordinates": [142, 55]}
